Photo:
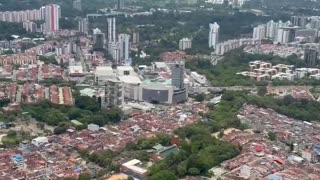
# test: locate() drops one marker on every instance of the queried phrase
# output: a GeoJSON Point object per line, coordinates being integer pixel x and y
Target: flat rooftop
{"type": "Point", "coordinates": [130, 79]}
{"type": "Point", "coordinates": [157, 82]}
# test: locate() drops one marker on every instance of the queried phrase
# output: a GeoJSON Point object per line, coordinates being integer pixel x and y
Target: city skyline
{"type": "Point", "coordinates": [160, 90]}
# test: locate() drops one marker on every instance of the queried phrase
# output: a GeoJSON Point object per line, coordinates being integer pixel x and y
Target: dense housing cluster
{"type": "Point", "coordinates": [264, 71]}
{"type": "Point", "coordinates": [294, 155]}
{"type": "Point", "coordinates": [56, 156]}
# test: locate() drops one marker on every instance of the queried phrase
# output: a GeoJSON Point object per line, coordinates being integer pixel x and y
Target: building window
{"type": "Point", "coordinates": [126, 72]}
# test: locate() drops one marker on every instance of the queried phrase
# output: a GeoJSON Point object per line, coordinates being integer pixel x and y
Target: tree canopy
{"type": "Point", "coordinates": [200, 151]}
{"type": "Point", "coordinates": [87, 110]}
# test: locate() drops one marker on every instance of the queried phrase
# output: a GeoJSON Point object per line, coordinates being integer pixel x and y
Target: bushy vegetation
{"type": "Point", "coordinates": [299, 82]}
{"type": "Point", "coordinates": [7, 29]}
{"type": "Point", "coordinates": [298, 109]}
{"type": "Point", "coordinates": [13, 138]}
{"type": "Point", "coordinates": [87, 110]}
{"type": "Point", "coordinates": [144, 144]}
{"type": "Point", "coordinates": [103, 159]}
{"type": "Point", "coordinates": [48, 59]}
{"type": "Point", "coordinates": [195, 157]}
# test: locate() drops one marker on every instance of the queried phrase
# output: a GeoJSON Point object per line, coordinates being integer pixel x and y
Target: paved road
{"type": "Point", "coordinates": [219, 89]}
{"type": "Point", "coordinates": [241, 88]}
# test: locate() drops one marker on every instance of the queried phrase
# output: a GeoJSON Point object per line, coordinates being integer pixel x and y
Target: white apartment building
{"type": "Point", "coordinates": [229, 45]}
{"type": "Point", "coordinates": [51, 15]}
{"type": "Point", "coordinates": [111, 29]}
{"type": "Point", "coordinates": [114, 51]}
{"type": "Point", "coordinates": [20, 16]}
{"type": "Point", "coordinates": [185, 43]}
{"type": "Point", "coordinates": [123, 40]}
{"type": "Point", "coordinates": [259, 32]}
{"type": "Point", "coordinates": [283, 36]}
{"type": "Point", "coordinates": [230, 2]}
{"type": "Point", "coordinates": [83, 26]}
{"type": "Point", "coordinates": [213, 35]}
{"type": "Point", "coordinates": [77, 4]}
{"type": "Point", "coordinates": [271, 29]}
{"type": "Point", "coordinates": [29, 26]}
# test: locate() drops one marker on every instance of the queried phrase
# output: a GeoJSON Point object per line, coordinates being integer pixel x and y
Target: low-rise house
{"type": "Point", "coordinates": [134, 168]}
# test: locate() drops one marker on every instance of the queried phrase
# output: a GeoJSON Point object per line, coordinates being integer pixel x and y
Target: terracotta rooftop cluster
{"type": "Point", "coordinates": [28, 57]}
{"type": "Point", "coordinates": [32, 72]}
{"type": "Point", "coordinates": [50, 159]}
{"type": "Point", "coordinates": [58, 157]}
{"type": "Point", "coordinates": [61, 95]}
{"type": "Point", "coordinates": [32, 93]}
{"type": "Point", "coordinates": [267, 160]}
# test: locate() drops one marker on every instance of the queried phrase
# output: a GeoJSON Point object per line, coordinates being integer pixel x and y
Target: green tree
{"type": "Point", "coordinates": [59, 130]}
{"type": "Point", "coordinates": [200, 97]}
{"type": "Point", "coordinates": [194, 171]}
{"type": "Point", "coordinates": [114, 115]}
{"type": "Point", "coordinates": [76, 113]}
{"type": "Point", "coordinates": [272, 136]}
{"type": "Point", "coordinates": [12, 133]}
{"type": "Point", "coordinates": [161, 166]}
{"type": "Point", "coordinates": [87, 103]}
{"type": "Point", "coordinates": [98, 119]}
{"type": "Point", "coordinates": [262, 90]}
{"type": "Point", "coordinates": [8, 52]}
{"type": "Point", "coordinates": [182, 169]}
{"type": "Point", "coordinates": [54, 117]}
{"type": "Point", "coordinates": [84, 176]}
{"type": "Point", "coordinates": [167, 175]}
{"type": "Point", "coordinates": [48, 59]}
{"type": "Point", "coordinates": [11, 118]}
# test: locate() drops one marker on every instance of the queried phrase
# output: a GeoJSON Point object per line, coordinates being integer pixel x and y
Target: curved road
{"type": "Point", "coordinates": [239, 88]}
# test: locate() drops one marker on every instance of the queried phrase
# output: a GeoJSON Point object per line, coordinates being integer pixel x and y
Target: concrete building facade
{"type": "Point", "coordinates": [52, 14]}
{"type": "Point", "coordinates": [83, 26]}
{"type": "Point", "coordinates": [123, 40]}
{"type": "Point", "coordinates": [311, 57]}
{"type": "Point", "coordinates": [77, 4]}
{"type": "Point", "coordinates": [185, 43]}
{"type": "Point", "coordinates": [111, 29]}
{"type": "Point", "coordinates": [259, 32]}
{"type": "Point", "coordinates": [113, 96]}
{"type": "Point", "coordinates": [213, 34]}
